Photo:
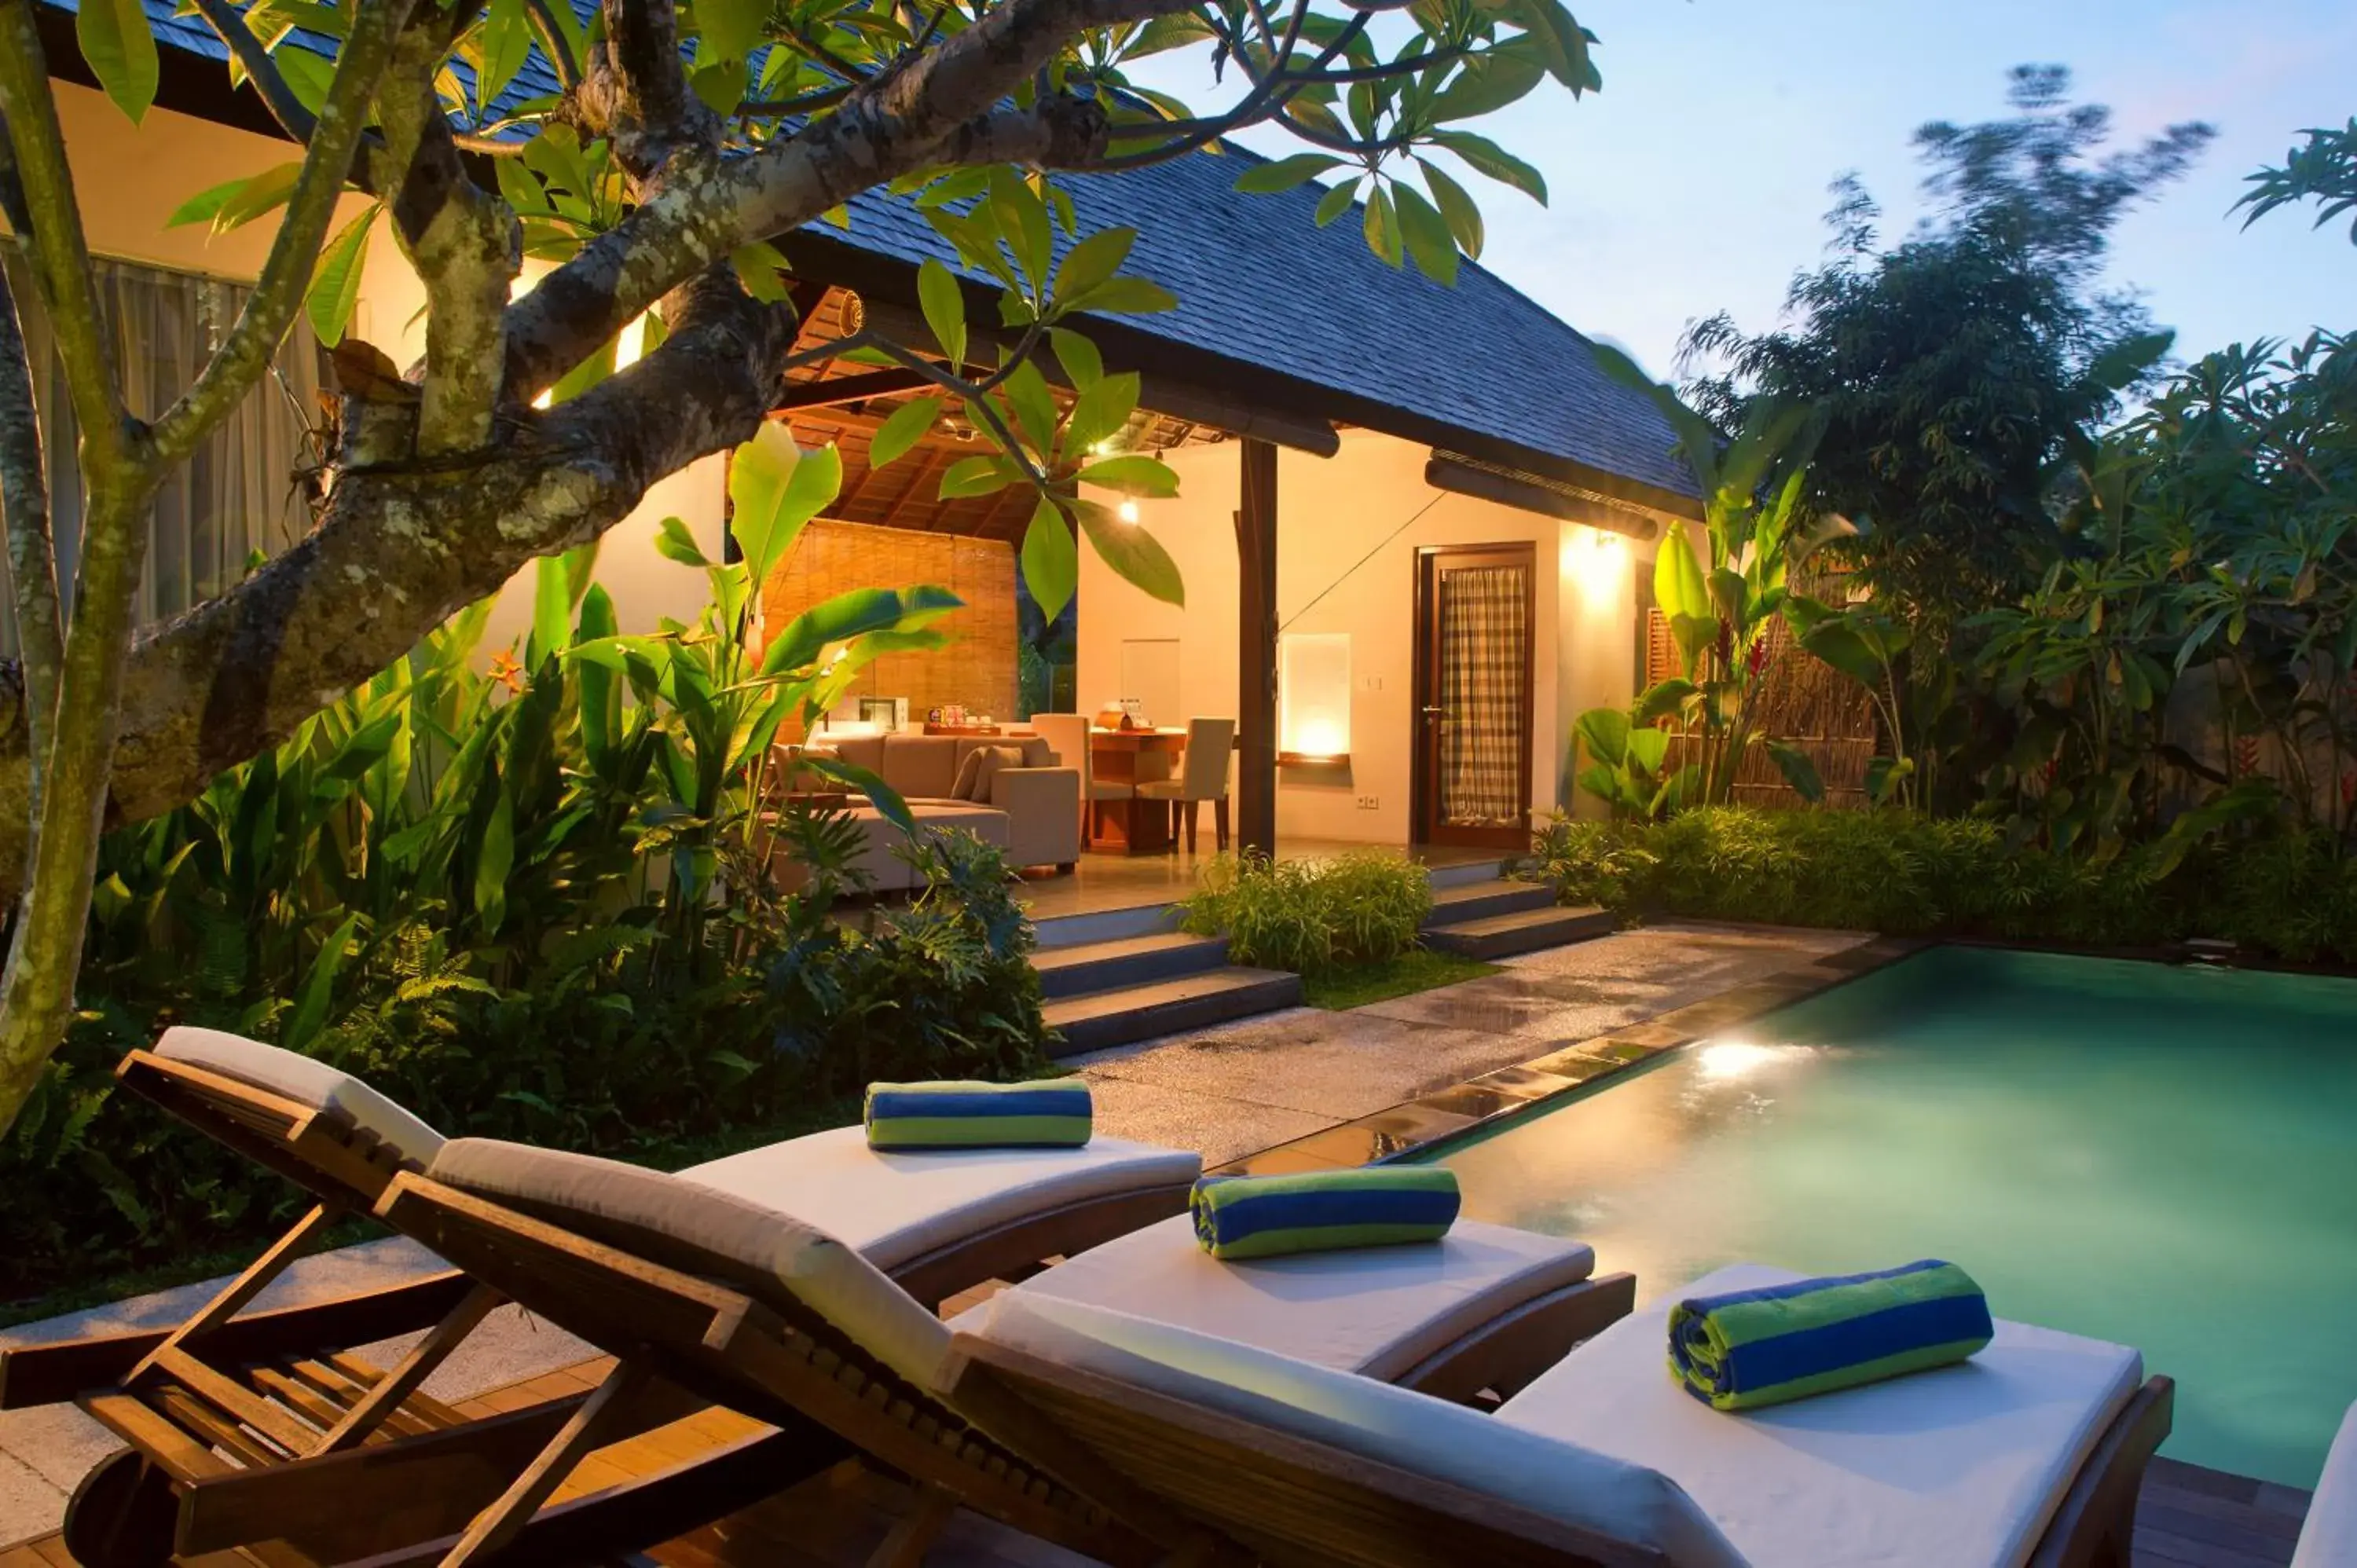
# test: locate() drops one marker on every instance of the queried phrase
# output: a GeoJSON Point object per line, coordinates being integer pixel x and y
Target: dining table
{"type": "Point", "coordinates": [1128, 825]}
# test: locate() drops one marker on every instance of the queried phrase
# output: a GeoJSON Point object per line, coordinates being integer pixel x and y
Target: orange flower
{"type": "Point", "coordinates": [507, 671]}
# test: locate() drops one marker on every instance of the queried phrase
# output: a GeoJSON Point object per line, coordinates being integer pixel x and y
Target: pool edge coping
{"type": "Point", "coordinates": [1481, 1103]}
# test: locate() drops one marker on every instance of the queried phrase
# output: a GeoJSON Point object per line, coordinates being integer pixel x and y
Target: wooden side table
{"type": "Point", "coordinates": [1129, 826]}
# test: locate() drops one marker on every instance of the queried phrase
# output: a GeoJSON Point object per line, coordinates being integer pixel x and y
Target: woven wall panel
{"type": "Point", "coordinates": [976, 669]}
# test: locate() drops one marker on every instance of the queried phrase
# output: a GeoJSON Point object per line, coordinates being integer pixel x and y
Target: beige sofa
{"type": "Point", "coordinates": [1033, 812]}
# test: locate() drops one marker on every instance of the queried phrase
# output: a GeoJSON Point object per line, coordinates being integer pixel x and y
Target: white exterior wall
{"type": "Point", "coordinates": [1348, 531]}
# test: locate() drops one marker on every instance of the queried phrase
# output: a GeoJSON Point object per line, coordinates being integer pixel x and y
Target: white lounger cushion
{"type": "Point", "coordinates": [897, 1207]}
{"type": "Point", "coordinates": [2329, 1538]}
{"type": "Point", "coordinates": [1363, 1417]}
{"type": "Point", "coordinates": [1963, 1466]}
{"type": "Point", "coordinates": [702, 1231]}
{"type": "Point", "coordinates": [306, 1080]}
{"type": "Point", "coordinates": [1375, 1311]}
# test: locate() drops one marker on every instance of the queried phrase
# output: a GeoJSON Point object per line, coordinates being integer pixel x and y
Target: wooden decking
{"type": "Point", "coordinates": [2189, 1518]}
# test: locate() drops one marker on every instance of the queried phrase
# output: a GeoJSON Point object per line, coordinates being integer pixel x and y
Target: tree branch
{"type": "Point", "coordinates": [57, 245]}
{"type": "Point", "coordinates": [636, 90]}
{"type": "Point", "coordinates": [32, 553]}
{"type": "Point", "coordinates": [369, 168]}
{"type": "Point", "coordinates": [464, 244]}
{"type": "Point", "coordinates": [269, 310]}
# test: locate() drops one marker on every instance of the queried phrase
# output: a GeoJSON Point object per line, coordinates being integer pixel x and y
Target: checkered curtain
{"type": "Point", "coordinates": [1484, 637]}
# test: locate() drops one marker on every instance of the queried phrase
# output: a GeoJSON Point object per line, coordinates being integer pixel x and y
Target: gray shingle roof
{"type": "Point", "coordinates": [1262, 286]}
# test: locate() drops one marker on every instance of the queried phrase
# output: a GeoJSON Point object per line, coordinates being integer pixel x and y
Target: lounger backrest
{"type": "Point", "coordinates": [1634, 1513]}
{"type": "Point", "coordinates": [306, 1080]}
{"type": "Point", "coordinates": [793, 1267]}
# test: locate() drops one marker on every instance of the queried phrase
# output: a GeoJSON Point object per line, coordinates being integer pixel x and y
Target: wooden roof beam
{"type": "Point", "coordinates": [840, 390]}
{"type": "Point", "coordinates": [1528, 493]}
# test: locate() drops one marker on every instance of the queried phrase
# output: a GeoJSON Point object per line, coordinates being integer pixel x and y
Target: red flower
{"type": "Point", "coordinates": [1758, 658]}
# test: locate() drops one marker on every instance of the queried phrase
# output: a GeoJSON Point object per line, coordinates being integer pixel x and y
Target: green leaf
{"type": "Point", "coordinates": [1083, 366]}
{"type": "Point", "coordinates": [1034, 405]}
{"type": "Point", "coordinates": [1662, 699]}
{"type": "Point", "coordinates": [902, 429]}
{"type": "Point", "coordinates": [728, 29]}
{"type": "Point", "coordinates": [495, 861]}
{"type": "Point", "coordinates": [1134, 475]}
{"type": "Point", "coordinates": [1883, 774]}
{"type": "Point", "coordinates": [1335, 203]}
{"type": "Point", "coordinates": [944, 309]}
{"type": "Point", "coordinates": [1131, 551]}
{"type": "Point", "coordinates": [120, 51]}
{"type": "Point", "coordinates": [335, 291]}
{"type": "Point", "coordinates": [774, 489]}
{"type": "Point", "coordinates": [978, 476]}
{"type": "Point", "coordinates": [673, 541]}
{"type": "Point", "coordinates": [1123, 297]}
{"type": "Point", "coordinates": [1485, 156]}
{"type": "Point", "coordinates": [847, 616]}
{"type": "Point", "coordinates": [506, 43]}
{"type": "Point", "coordinates": [1458, 209]}
{"type": "Point", "coordinates": [311, 1003]}
{"type": "Point", "coordinates": [1051, 560]}
{"type": "Point", "coordinates": [1427, 232]}
{"type": "Point", "coordinates": [206, 204]}
{"type": "Point", "coordinates": [552, 608]}
{"type": "Point", "coordinates": [761, 268]}
{"type": "Point", "coordinates": [1839, 645]}
{"type": "Point", "coordinates": [1799, 771]}
{"type": "Point", "coordinates": [1678, 583]}
{"type": "Point", "coordinates": [1285, 174]}
{"type": "Point", "coordinates": [1648, 748]}
{"type": "Point", "coordinates": [1605, 733]}
{"type": "Point", "coordinates": [1092, 262]}
{"type": "Point", "coordinates": [307, 75]}
{"type": "Point", "coordinates": [1101, 412]}
{"type": "Point", "coordinates": [1383, 227]}
{"type": "Point", "coordinates": [720, 84]}
{"type": "Point", "coordinates": [1488, 82]}
{"type": "Point", "coordinates": [1023, 221]}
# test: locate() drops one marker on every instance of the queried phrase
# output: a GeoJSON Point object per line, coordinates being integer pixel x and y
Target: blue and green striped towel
{"type": "Point", "coordinates": [1753, 1347]}
{"type": "Point", "coordinates": [978, 1116]}
{"type": "Point", "coordinates": [1261, 1216]}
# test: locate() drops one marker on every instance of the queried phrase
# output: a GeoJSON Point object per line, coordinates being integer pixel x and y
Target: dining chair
{"type": "Point", "coordinates": [1068, 734]}
{"type": "Point", "coordinates": [1203, 776]}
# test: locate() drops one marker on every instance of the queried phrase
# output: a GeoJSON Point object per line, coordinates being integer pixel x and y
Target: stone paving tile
{"type": "Point", "coordinates": [1221, 1129]}
{"type": "Point", "coordinates": [1336, 1065]}
{"type": "Point", "coordinates": [29, 1504]}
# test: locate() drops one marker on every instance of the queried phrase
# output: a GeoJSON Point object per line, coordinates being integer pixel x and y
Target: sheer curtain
{"type": "Point", "coordinates": [240, 493]}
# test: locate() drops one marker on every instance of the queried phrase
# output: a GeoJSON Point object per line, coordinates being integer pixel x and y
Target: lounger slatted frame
{"type": "Point", "coordinates": [1292, 1502]}
{"type": "Point", "coordinates": [776, 1359]}
{"type": "Point", "coordinates": [263, 1421]}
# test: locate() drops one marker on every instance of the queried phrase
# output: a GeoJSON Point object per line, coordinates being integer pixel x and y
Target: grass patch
{"type": "Point", "coordinates": [668, 1154]}
{"type": "Point", "coordinates": [1419, 969]}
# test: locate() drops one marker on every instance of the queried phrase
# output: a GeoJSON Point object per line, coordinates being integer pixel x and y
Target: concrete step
{"type": "Point", "coordinates": [1105, 925]}
{"type": "Point", "coordinates": [1129, 1013]}
{"type": "Point", "coordinates": [1442, 877]}
{"type": "Point", "coordinates": [1129, 961]}
{"type": "Point", "coordinates": [1518, 931]}
{"type": "Point", "coordinates": [1477, 900]}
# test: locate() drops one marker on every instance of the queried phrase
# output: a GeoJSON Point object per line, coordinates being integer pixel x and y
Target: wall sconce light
{"type": "Point", "coordinates": [1126, 511]}
{"type": "Point", "coordinates": [1313, 697]}
{"type": "Point", "coordinates": [1598, 564]}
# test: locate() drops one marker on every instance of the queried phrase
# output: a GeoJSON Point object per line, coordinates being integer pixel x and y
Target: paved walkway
{"type": "Point", "coordinates": [1228, 1092]}
{"type": "Point", "coordinates": [1239, 1088]}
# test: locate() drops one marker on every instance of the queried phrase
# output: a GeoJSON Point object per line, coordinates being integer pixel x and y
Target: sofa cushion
{"type": "Point", "coordinates": [702, 1230]}
{"type": "Point", "coordinates": [921, 766]}
{"type": "Point", "coordinates": [1375, 1311]}
{"type": "Point", "coordinates": [306, 1080]}
{"type": "Point", "coordinates": [981, 768]}
{"type": "Point", "coordinates": [1960, 1467]}
{"type": "Point", "coordinates": [861, 751]}
{"type": "Point", "coordinates": [895, 1206]}
{"type": "Point", "coordinates": [1362, 1416]}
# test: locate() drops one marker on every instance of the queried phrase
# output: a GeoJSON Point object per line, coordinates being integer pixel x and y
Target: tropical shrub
{"type": "Point", "coordinates": [2285, 893]}
{"type": "Point", "coordinates": [1311, 917]}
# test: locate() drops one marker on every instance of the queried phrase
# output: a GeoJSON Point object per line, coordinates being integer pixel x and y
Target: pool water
{"type": "Point", "coordinates": [2162, 1157]}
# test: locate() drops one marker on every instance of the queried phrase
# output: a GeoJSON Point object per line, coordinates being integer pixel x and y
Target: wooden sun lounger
{"type": "Point", "coordinates": [1282, 1500]}
{"type": "Point", "coordinates": [316, 1439]}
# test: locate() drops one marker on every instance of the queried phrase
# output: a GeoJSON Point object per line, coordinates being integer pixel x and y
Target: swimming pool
{"type": "Point", "coordinates": [2162, 1157]}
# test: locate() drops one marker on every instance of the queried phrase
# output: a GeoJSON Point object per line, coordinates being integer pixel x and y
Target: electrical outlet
{"type": "Point", "coordinates": [1371, 803]}
{"type": "Point", "coordinates": [1374, 682]}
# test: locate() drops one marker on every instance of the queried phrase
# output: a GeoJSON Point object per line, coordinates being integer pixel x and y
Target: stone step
{"type": "Point", "coordinates": [1470, 871]}
{"type": "Point", "coordinates": [1105, 925]}
{"type": "Point", "coordinates": [1129, 961]}
{"type": "Point", "coordinates": [1131, 1012]}
{"type": "Point", "coordinates": [1477, 900]}
{"type": "Point", "coordinates": [1519, 931]}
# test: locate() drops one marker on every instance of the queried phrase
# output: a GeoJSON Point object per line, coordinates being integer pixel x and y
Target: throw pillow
{"type": "Point", "coordinates": [980, 768]}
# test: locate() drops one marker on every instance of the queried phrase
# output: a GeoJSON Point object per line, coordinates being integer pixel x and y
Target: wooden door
{"type": "Point", "coordinates": [1475, 606]}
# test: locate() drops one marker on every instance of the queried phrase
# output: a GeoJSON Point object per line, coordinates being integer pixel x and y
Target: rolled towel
{"type": "Point", "coordinates": [1753, 1347]}
{"type": "Point", "coordinates": [1050, 1115]}
{"type": "Point", "coordinates": [1261, 1216]}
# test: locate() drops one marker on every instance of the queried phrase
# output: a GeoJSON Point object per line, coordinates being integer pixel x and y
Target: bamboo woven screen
{"type": "Point", "coordinates": [1807, 702]}
{"type": "Point", "coordinates": [977, 668]}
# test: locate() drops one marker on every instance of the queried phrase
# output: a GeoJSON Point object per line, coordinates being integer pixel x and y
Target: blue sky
{"type": "Point", "coordinates": [1696, 181]}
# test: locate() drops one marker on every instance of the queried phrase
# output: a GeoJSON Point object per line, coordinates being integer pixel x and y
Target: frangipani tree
{"type": "Point", "coordinates": [684, 141]}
